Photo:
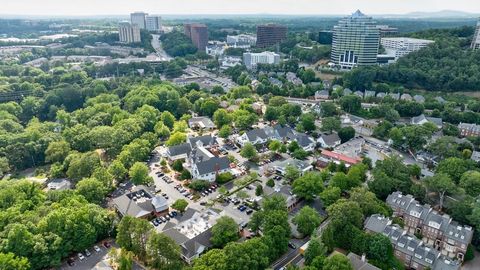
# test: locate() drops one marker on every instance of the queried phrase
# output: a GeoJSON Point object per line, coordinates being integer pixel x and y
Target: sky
{"type": "Point", "coordinates": [294, 7]}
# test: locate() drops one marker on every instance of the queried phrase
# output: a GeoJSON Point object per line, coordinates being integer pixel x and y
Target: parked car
{"type": "Point", "coordinates": [96, 248]}
{"type": "Point", "coordinates": [249, 211]}
{"type": "Point", "coordinates": [106, 244]}
{"type": "Point", "coordinates": [174, 213]}
{"type": "Point", "coordinates": [292, 245]}
{"type": "Point", "coordinates": [81, 257]}
{"type": "Point", "coordinates": [71, 261]}
{"type": "Point", "coordinates": [87, 253]}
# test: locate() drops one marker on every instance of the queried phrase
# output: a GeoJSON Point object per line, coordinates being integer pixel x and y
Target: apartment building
{"type": "Point", "coordinates": [139, 18]}
{"type": "Point", "coordinates": [251, 60]}
{"type": "Point", "coordinates": [129, 33]}
{"type": "Point", "coordinates": [467, 130]}
{"type": "Point", "coordinates": [437, 230]}
{"type": "Point", "coordinates": [401, 46]}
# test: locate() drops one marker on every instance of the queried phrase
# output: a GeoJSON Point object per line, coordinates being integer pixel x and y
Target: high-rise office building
{"type": "Point", "coordinates": [270, 34]}
{"type": "Point", "coordinates": [153, 23]}
{"type": "Point", "coordinates": [252, 59]}
{"type": "Point", "coordinates": [355, 41]}
{"type": "Point", "coordinates": [198, 33]}
{"type": "Point", "coordinates": [129, 33]}
{"type": "Point", "coordinates": [476, 37]}
{"type": "Point", "coordinates": [138, 18]}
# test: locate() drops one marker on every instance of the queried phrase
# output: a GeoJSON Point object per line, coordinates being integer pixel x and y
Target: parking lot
{"type": "Point", "coordinates": [89, 262]}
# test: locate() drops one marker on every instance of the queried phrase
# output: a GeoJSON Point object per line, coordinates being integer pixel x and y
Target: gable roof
{"type": "Point", "coordinates": [180, 149]}
{"type": "Point", "coordinates": [205, 140]}
{"type": "Point", "coordinates": [360, 264]}
{"type": "Point", "coordinates": [330, 139]}
{"type": "Point", "coordinates": [202, 122]}
{"type": "Point", "coordinates": [212, 165]}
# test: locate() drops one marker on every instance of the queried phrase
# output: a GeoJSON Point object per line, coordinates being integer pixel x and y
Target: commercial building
{"type": "Point", "coordinates": [140, 203]}
{"type": "Point", "coordinates": [476, 37]}
{"type": "Point", "coordinates": [138, 18]}
{"type": "Point", "coordinates": [129, 33]}
{"type": "Point", "coordinates": [153, 23]}
{"type": "Point", "coordinates": [270, 34]}
{"type": "Point", "coordinates": [241, 41]}
{"type": "Point", "coordinates": [252, 59]}
{"type": "Point", "coordinates": [198, 33]}
{"type": "Point", "coordinates": [355, 41]}
{"type": "Point", "coordinates": [325, 37]}
{"type": "Point", "coordinates": [387, 31]}
{"type": "Point", "coordinates": [401, 46]}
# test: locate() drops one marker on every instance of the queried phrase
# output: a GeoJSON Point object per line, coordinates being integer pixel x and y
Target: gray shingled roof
{"type": "Point", "coordinates": [180, 149]}
{"type": "Point", "coordinates": [359, 264]}
{"type": "Point", "coordinates": [205, 140]}
{"type": "Point", "coordinates": [330, 139]}
{"type": "Point", "coordinates": [376, 223]}
{"type": "Point", "coordinates": [212, 165]}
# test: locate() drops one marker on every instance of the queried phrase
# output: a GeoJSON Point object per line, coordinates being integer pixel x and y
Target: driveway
{"type": "Point", "coordinates": [473, 264]}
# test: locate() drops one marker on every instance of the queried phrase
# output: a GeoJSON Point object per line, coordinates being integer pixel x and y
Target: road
{"type": "Point", "coordinates": [157, 45]}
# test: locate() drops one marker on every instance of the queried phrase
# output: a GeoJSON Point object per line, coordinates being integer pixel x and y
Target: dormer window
{"type": "Point", "coordinates": [418, 256]}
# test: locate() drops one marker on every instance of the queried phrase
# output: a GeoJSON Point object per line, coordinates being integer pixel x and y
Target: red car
{"type": "Point", "coordinates": [106, 244]}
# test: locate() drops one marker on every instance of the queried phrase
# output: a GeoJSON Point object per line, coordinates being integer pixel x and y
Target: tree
{"type": "Point", "coordinates": [270, 182]}
{"type": "Point", "coordinates": [291, 172]}
{"type": "Point", "coordinates": [470, 182]}
{"type": "Point", "coordinates": [57, 151]}
{"type": "Point", "coordinates": [199, 185]}
{"type": "Point", "coordinates": [9, 261]}
{"type": "Point", "coordinates": [249, 151]}
{"type": "Point", "coordinates": [330, 195]}
{"type": "Point", "coordinates": [178, 165]}
{"type": "Point", "coordinates": [163, 253]}
{"type": "Point", "coordinates": [222, 118]}
{"type": "Point", "coordinates": [225, 131]}
{"type": "Point", "coordinates": [180, 205]}
{"type": "Point", "coordinates": [224, 231]}
{"type": "Point", "coordinates": [330, 124]}
{"type": "Point", "coordinates": [308, 186]}
{"type": "Point", "coordinates": [351, 103]}
{"type": "Point", "coordinates": [176, 138]}
{"type": "Point", "coordinates": [168, 119]}
{"type": "Point", "coordinates": [213, 259]}
{"type": "Point", "coordinates": [92, 189]}
{"type": "Point", "coordinates": [440, 183]}
{"type": "Point", "coordinates": [368, 202]}
{"type": "Point", "coordinates": [346, 134]}
{"type": "Point", "coordinates": [337, 261]}
{"type": "Point", "coordinates": [455, 167]}
{"type": "Point", "coordinates": [315, 248]}
{"type": "Point", "coordinates": [343, 182]}
{"type": "Point", "coordinates": [139, 174]}
{"type": "Point", "coordinates": [132, 235]}
{"type": "Point", "coordinates": [328, 109]}
{"type": "Point", "coordinates": [223, 178]}
{"type": "Point", "coordinates": [307, 121]}
{"type": "Point", "coordinates": [258, 190]}
{"type": "Point", "coordinates": [4, 166]}
{"type": "Point", "coordinates": [117, 170]}
{"type": "Point", "coordinates": [379, 248]}
{"type": "Point", "coordinates": [82, 165]}
{"type": "Point", "coordinates": [275, 146]}
{"type": "Point", "coordinates": [307, 220]}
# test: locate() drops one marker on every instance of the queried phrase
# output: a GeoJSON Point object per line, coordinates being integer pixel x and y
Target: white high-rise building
{"type": "Point", "coordinates": [355, 41]}
{"type": "Point", "coordinates": [252, 59]}
{"type": "Point", "coordinates": [129, 33]}
{"type": "Point", "coordinates": [401, 46]}
{"type": "Point", "coordinates": [153, 23]}
{"type": "Point", "coordinates": [476, 37]}
{"type": "Point", "coordinates": [138, 18]}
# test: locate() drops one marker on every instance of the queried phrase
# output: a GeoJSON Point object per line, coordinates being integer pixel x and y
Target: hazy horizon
{"type": "Point", "coordinates": [229, 7]}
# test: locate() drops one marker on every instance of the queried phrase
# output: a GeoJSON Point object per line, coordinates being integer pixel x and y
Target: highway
{"type": "Point", "coordinates": [157, 45]}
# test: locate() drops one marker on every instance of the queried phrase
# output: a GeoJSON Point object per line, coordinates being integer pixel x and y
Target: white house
{"type": "Point", "coordinates": [209, 169]}
{"type": "Point", "coordinates": [329, 140]}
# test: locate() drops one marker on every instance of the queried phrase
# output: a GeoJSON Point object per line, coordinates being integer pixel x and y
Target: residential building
{"type": "Point", "coordinates": [201, 123]}
{"type": "Point", "coordinates": [129, 33]}
{"type": "Point", "coordinates": [241, 41]}
{"type": "Point", "coordinates": [153, 23]}
{"type": "Point", "coordinates": [292, 77]}
{"type": "Point", "coordinates": [181, 151]}
{"type": "Point", "coordinates": [210, 168]}
{"type": "Point", "coordinates": [59, 184]}
{"type": "Point", "coordinates": [270, 34]}
{"type": "Point", "coordinates": [422, 119]}
{"type": "Point", "coordinates": [285, 191]}
{"type": "Point", "coordinates": [215, 48]}
{"type": "Point", "coordinates": [355, 41]}
{"type": "Point", "coordinates": [467, 130]}
{"type": "Point", "coordinates": [406, 97]}
{"type": "Point", "coordinates": [281, 133]}
{"type": "Point", "coordinates": [419, 99]}
{"type": "Point", "coordinates": [329, 140]}
{"type": "Point", "coordinates": [360, 262]}
{"type": "Point", "coordinates": [438, 231]}
{"type": "Point", "coordinates": [280, 166]}
{"type": "Point", "coordinates": [322, 94]}
{"type": "Point", "coordinates": [412, 252]}
{"type": "Point", "coordinates": [139, 18]}
{"type": "Point", "coordinates": [252, 59]}
{"type": "Point", "coordinates": [475, 156]}
{"type": "Point", "coordinates": [476, 37]}
{"type": "Point", "coordinates": [325, 37]}
{"type": "Point", "coordinates": [401, 46]}
{"type": "Point", "coordinates": [198, 33]}
{"type": "Point", "coordinates": [231, 61]}
{"type": "Point", "coordinates": [140, 203]}
{"type": "Point", "coordinates": [339, 158]}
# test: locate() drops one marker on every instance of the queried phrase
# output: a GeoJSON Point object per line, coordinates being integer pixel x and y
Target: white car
{"type": "Point", "coordinates": [96, 248]}
{"type": "Point", "coordinates": [81, 257]}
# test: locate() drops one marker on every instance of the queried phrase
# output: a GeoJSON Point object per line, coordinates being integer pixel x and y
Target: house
{"type": "Point", "coordinates": [475, 156]}
{"type": "Point", "coordinates": [337, 158]}
{"type": "Point", "coordinates": [438, 231]}
{"type": "Point", "coordinates": [406, 97]}
{"type": "Point", "coordinates": [419, 99]}
{"type": "Point", "coordinates": [322, 94]}
{"type": "Point", "coordinates": [59, 184]}
{"type": "Point", "coordinates": [280, 166]}
{"type": "Point", "coordinates": [275, 82]}
{"type": "Point", "coordinates": [305, 142]}
{"type": "Point", "coordinates": [254, 136]}
{"type": "Point", "coordinates": [360, 262]}
{"type": "Point", "coordinates": [292, 77]}
{"type": "Point", "coordinates": [282, 133]}
{"type": "Point", "coordinates": [284, 191]}
{"type": "Point", "coordinates": [347, 91]}
{"type": "Point", "coordinates": [207, 141]}
{"type": "Point", "coordinates": [329, 140]}
{"type": "Point", "coordinates": [180, 151]}
{"type": "Point", "coordinates": [412, 252]}
{"type": "Point", "coordinates": [201, 123]}
{"type": "Point", "coordinates": [395, 96]}
{"type": "Point", "coordinates": [467, 130]}
{"type": "Point", "coordinates": [381, 95]}
{"type": "Point", "coordinates": [210, 168]}
{"type": "Point", "coordinates": [259, 107]}
{"type": "Point", "coordinates": [422, 119]}
{"type": "Point", "coordinates": [317, 108]}
{"type": "Point", "coordinates": [336, 87]}
{"type": "Point", "coordinates": [358, 93]}
{"type": "Point", "coordinates": [369, 93]}
{"type": "Point", "coordinates": [440, 100]}
{"type": "Point", "coordinates": [140, 203]}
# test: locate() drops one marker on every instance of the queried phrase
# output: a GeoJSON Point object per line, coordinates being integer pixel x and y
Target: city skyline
{"type": "Point", "coordinates": [184, 7]}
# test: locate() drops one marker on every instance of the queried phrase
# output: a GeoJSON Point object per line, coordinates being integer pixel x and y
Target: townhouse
{"type": "Point", "coordinates": [436, 230]}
